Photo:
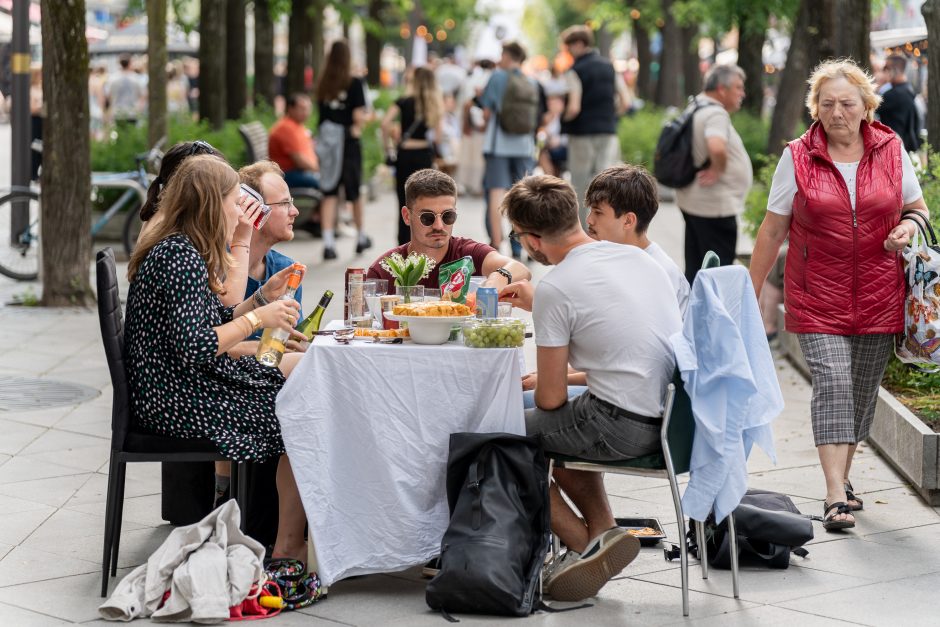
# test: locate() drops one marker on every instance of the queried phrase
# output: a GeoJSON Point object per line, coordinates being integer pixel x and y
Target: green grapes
{"type": "Point", "coordinates": [500, 333]}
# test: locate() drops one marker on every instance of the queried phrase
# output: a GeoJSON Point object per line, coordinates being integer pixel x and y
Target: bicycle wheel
{"type": "Point", "coordinates": [132, 226]}
{"type": "Point", "coordinates": [19, 255]}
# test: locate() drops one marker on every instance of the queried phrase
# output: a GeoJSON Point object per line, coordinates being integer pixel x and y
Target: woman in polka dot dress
{"type": "Point", "coordinates": [183, 383]}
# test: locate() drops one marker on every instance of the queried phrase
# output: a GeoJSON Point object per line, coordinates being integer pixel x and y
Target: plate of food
{"type": "Point", "coordinates": [647, 530]}
{"type": "Point", "coordinates": [430, 322]}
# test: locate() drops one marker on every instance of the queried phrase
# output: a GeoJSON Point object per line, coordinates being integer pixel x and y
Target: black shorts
{"type": "Point", "coordinates": [351, 177]}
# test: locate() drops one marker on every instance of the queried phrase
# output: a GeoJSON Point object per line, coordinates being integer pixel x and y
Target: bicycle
{"type": "Point", "coordinates": [19, 245]}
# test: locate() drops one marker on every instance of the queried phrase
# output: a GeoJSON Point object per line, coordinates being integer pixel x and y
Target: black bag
{"type": "Point", "coordinates": [494, 547]}
{"type": "Point", "coordinates": [673, 163]}
{"type": "Point", "coordinates": [769, 527]}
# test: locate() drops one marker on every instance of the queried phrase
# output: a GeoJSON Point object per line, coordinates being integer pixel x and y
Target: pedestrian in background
{"type": "Point", "coordinates": [712, 203]}
{"type": "Point", "coordinates": [597, 97]}
{"type": "Point", "coordinates": [409, 123]}
{"type": "Point", "coordinates": [897, 109]}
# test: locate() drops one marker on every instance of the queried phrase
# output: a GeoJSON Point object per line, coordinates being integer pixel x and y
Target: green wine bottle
{"type": "Point", "coordinates": [311, 323]}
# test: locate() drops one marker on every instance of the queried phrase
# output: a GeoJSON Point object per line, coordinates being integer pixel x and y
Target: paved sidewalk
{"type": "Point", "coordinates": [53, 465]}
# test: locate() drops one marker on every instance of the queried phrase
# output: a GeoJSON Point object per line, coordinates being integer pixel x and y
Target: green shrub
{"type": "Point", "coordinates": [638, 134]}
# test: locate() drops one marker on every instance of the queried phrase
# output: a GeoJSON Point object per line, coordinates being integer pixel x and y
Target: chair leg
{"type": "Point", "coordinates": [242, 494]}
{"type": "Point", "coordinates": [734, 555]}
{"type": "Point", "coordinates": [683, 545]}
{"type": "Point", "coordinates": [119, 516]}
{"type": "Point", "coordinates": [109, 524]}
{"type": "Point", "coordinates": [702, 547]}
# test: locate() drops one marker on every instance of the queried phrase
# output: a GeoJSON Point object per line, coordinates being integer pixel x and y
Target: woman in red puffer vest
{"type": "Point", "coordinates": [838, 193]}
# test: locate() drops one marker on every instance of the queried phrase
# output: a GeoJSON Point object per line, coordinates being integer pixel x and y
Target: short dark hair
{"type": "Point", "coordinates": [627, 189]}
{"type": "Point", "coordinates": [578, 34]}
{"type": "Point", "coordinates": [293, 99]}
{"type": "Point", "coordinates": [125, 60]}
{"type": "Point", "coordinates": [545, 205]}
{"type": "Point", "coordinates": [896, 63]}
{"type": "Point", "coordinates": [428, 183]}
{"type": "Point", "coordinates": [515, 50]}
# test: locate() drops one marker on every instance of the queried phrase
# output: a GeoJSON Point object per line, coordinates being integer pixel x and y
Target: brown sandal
{"type": "Point", "coordinates": [829, 521]}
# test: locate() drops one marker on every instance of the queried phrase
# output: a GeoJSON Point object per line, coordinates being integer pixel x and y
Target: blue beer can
{"type": "Point", "coordinates": [487, 302]}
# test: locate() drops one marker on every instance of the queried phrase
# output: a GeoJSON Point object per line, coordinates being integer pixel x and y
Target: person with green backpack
{"type": "Point", "coordinates": [510, 104]}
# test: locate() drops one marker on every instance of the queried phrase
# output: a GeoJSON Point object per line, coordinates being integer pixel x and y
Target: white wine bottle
{"type": "Point", "coordinates": [274, 341]}
{"type": "Point", "coordinates": [311, 323]}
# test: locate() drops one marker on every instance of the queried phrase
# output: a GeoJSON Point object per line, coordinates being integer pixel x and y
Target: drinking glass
{"type": "Point", "coordinates": [381, 286]}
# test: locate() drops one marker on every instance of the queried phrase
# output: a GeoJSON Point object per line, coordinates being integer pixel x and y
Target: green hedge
{"type": "Point", "coordinates": [639, 132]}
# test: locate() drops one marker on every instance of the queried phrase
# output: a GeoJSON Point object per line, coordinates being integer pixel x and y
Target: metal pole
{"type": "Point", "coordinates": [20, 122]}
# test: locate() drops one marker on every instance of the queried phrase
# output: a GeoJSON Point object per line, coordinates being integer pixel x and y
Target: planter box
{"type": "Point", "coordinates": [901, 437]}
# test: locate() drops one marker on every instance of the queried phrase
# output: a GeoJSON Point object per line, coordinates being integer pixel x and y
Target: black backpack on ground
{"type": "Point", "coordinates": [494, 547]}
{"type": "Point", "coordinates": [673, 163]}
{"type": "Point", "coordinates": [769, 527]}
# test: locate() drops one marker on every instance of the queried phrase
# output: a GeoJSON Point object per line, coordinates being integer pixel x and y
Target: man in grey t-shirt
{"type": "Point", "coordinates": [125, 94]}
{"type": "Point", "coordinates": [711, 204]}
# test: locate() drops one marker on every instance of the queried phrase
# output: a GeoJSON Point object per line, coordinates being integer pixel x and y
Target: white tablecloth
{"type": "Point", "coordinates": [367, 428]}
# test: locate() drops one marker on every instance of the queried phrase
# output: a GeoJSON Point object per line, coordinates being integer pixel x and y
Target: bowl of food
{"type": "Point", "coordinates": [494, 332]}
{"type": "Point", "coordinates": [430, 322]}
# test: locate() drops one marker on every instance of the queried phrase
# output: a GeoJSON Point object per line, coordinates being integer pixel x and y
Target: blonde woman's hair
{"type": "Point", "coordinates": [429, 104]}
{"type": "Point", "coordinates": [191, 205]}
{"type": "Point", "coordinates": [847, 69]}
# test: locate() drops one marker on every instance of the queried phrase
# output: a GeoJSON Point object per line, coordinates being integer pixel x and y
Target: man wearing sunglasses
{"type": "Point", "coordinates": [609, 310]}
{"type": "Point", "coordinates": [431, 211]}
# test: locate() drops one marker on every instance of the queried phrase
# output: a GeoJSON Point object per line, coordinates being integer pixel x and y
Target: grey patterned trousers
{"type": "Point", "coordinates": [846, 371]}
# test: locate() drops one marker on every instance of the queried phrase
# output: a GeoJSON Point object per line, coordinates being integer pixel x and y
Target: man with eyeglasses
{"type": "Point", "coordinates": [431, 211]}
{"type": "Point", "coordinates": [267, 178]}
{"type": "Point", "coordinates": [609, 310]}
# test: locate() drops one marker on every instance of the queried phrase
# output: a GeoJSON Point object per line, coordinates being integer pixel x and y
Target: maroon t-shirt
{"type": "Point", "coordinates": [458, 247]}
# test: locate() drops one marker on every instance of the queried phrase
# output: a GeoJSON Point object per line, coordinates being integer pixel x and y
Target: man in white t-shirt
{"type": "Point", "coordinates": [609, 310]}
{"type": "Point", "coordinates": [622, 201]}
{"type": "Point", "coordinates": [711, 204]}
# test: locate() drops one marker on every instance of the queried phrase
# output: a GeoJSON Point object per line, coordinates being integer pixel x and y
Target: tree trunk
{"type": "Point", "coordinates": [644, 77]}
{"type": "Point", "coordinates": [668, 93]}
{"type": "Point", "coordinates": [300, 55]}
{"type": "Point", "coordinates": [156, 71]}
{"type": "Point", "coordinates": [692, 75]}
{"type": "Point", "coordinates": [212, 49]}
{"type": "Point", "coordinates": [750, 59]}
{"type": "Point", "coordinates": [852, 36]}
{"type": "Point", "coordinates": [264, 84]}
{"type": "Point", "coordinates": [812, 41]}
{"type": "Point", "coordinates": [604, 39]}
{"type": "Point", "coordinates": [931, 12]}
{"type": "Point", "coordinates": [236, 68]}
{"type": "Point", "coordinates": [317, 39]}
{"type": "Point", "coordinates": [374, 43]}
{"type": "Point", "coordinates": [66, 173]}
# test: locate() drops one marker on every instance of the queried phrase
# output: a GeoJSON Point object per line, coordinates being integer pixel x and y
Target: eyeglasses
{"type": "Point", "coordinates": [514, 236]}
{"type": "Point", "coordinates": [427, 218]}
{"type": "Point", "coordinates": [288, 202]}
{"type": "Point", "coordinates": [200, 147]}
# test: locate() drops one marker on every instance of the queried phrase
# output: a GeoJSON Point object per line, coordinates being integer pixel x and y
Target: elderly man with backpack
{"type": "Point", "coordinates": [510, 104]}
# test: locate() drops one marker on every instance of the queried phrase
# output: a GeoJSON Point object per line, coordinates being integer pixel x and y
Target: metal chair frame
{"type": "Point", "coordinates": [665, 473]}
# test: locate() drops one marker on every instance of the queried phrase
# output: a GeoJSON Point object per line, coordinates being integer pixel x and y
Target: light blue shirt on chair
{"type": "Point", "coordinates": [729, 374]}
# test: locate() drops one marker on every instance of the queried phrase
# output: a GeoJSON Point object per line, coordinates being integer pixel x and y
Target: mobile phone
{"type": "Point", "coordinates": [265, 210]}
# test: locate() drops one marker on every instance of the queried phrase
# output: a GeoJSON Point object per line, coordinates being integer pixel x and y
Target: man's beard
{"type": "Point", "coordinates": [539, 256]}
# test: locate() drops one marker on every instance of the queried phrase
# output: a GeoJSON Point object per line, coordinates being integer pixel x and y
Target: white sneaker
{"type": "Point", "coordinates": [551, 570]}
{"type": "Point", "coordinates": [603, 559]}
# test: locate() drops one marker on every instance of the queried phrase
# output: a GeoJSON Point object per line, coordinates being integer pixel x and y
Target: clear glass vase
{"type": "Point", "coordinates": [410, 293]}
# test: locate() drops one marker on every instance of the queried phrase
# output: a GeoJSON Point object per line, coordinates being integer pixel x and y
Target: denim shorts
{"type": "Point", "coordinates": [595, 430]}
{"type": "Point", "coordinates": [503, 172]}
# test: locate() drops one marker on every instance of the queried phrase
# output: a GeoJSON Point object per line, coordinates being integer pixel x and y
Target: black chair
{"type": "Point", "coordinates": [127, 443]}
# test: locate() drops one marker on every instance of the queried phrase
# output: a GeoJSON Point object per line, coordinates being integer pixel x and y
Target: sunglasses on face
{"type": "Point", "coordinates": [427, 218]}
{"type": "Point", "coordinates": [514, 235]}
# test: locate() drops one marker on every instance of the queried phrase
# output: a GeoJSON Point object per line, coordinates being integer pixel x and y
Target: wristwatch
{"type": "Point", "coordinates": [506, 273]}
